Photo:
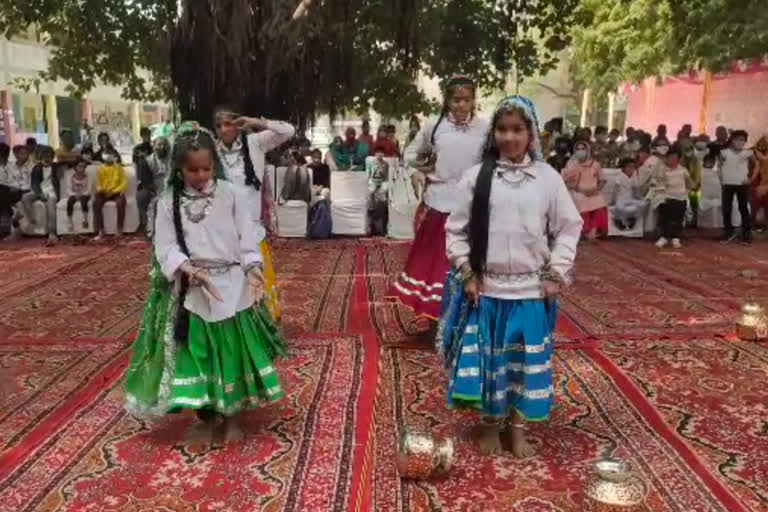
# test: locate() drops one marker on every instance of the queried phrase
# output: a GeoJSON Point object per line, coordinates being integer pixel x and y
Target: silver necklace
{"type": "Point", "coordinates": [193, 210]}
{"type": "Point", "coordinates": [225, 157]}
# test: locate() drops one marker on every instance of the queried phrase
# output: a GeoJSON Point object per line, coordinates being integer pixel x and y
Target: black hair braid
{"type": "Point", "coordinates": [480, 213]}
{"type": "Point", "coordinates": [439, 120]}
{"type": "Point", "coordinates": [250, 172]}
{"type": "Point", "coordinates": [181, 327]}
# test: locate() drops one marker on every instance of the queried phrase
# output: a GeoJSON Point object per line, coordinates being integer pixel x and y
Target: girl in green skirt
{"type": "Point", "coordinates": [206, 341]}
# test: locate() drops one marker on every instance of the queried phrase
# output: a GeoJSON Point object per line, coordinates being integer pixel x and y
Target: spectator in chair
{"type": "Point", "coordinates": [111, 185]}
{"type": "Point", "coordinates": [67, 155]}
{"type": "Point", "coordinates": [78, 191]}
{"type": "Point", "coordinates": [321, 173]}
{"type": "Point", "coordinates": [45, 188]}
{"type": "Point", "coordinates": [627, 203]}
{"type": "Point", "coordinates": [367, 137]}
{"type": "Point", "coordinates": [105, 146]}
{"type": "Point", "coordinates": [17, 181]}
{"type": "Point", "coordinates": [562, 154]}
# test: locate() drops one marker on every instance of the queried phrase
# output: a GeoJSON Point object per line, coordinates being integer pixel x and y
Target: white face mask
{"type": "Point", "coordinates": [109, 158]}
{"type": "Point", "coordinates": [580, 154]}
{"type": "Point", "coordinates": [662, 150]}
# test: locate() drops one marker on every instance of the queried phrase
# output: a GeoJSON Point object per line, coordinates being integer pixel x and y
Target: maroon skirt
{"type": "Point", "coordinates": [420, 285]}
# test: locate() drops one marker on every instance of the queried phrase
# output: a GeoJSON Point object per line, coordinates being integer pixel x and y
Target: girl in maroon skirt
{"type": "Point", "coordinates": [453, 143]}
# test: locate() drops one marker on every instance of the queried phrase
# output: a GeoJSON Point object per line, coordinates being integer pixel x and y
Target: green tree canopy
{"type": "Point", "coordinates": [616, 41]}
{"type": "Point", "coordinates": [346, 54]}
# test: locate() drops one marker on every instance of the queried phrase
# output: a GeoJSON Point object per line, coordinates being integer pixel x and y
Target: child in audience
{"type": "Point", "coordinates": [378, 189]}
{"type": "Point", "coordinates": [627, 203]}
{"type": "Point", "coordinates": [734, 175]}
{"type": "Point", "coordinates": [693, 166]}
{"type": "Point", "coordinates": [759, 180]}
{"type": "Point", "coordinates": [670, 193]}
{"type": "Point", "coordinates": [79, 191]}
{"type": "Point", "coordinates": [18, 181]}
{"type": "Point", "coordinates": [45, 188]}
{"type": "Point", "coordinates": [111, 185]}
{"type": "Point", "coordinates": [584, 178]}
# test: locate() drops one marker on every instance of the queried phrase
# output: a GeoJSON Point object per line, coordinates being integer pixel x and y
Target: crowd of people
{"type": "Point", "coordinates": [663, 175]}
{"type": "Point", "coordinates": [37, 173]}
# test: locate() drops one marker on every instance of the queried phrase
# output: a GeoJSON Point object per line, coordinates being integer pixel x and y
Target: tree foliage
{"type": "Point", "coordinates": [346, 54]}
{"type": "Point", "coordinates": [616, 41]}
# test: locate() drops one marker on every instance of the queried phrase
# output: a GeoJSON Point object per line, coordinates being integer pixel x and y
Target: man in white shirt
{"type": "Point", "coordinates": [15, 181]}
{"type": "Point", "coordinates": [734, 175]}
{"type": "Point", "coordinates": [627, 204]}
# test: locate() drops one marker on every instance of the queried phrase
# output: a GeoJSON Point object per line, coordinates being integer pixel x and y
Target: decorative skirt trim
{"type": "Point", "coordinates": [420, 285]}
{"type": "Point", "coordinates": [498, 354]}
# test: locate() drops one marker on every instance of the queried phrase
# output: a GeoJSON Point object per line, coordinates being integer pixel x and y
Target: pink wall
{"type": "Point", "coordinates": [738, 100]}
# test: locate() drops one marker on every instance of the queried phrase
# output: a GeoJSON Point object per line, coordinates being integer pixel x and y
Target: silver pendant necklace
{"type": "Point", "coordinates": [198, 206]}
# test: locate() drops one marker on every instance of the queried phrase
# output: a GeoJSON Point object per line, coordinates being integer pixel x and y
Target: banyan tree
{"type": "Point", "coordinates": [257, 57]}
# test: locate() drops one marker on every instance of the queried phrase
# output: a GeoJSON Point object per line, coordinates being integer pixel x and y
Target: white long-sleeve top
{"type": "Point", "coordinates": [259, 144]}
{"type": "Point", "coordinates": [226, 237]}
{"type": "Point", "coordinates": [457, 150]}
{"type": "Point", "coordinates": [533, 222]}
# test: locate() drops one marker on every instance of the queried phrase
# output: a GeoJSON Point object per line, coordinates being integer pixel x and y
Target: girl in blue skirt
{"type": "Point", "coordinates": [511, 241]}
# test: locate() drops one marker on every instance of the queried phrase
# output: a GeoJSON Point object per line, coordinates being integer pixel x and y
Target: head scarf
{"type": "Point", "coordinates": [519, 104]}
{"type": "Point", "coordinates": [193, 133]}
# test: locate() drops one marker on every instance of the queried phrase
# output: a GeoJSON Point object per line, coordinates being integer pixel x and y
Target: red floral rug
{"type": "Point", "coordinates": [595, 418]}
{"type": "Point", "coordinates": [711, 392]}
{"type": "Point", "coordinates": [40, 380]}
{"type": "Point", "coordinates": [305, 453]}
{"type": "Point", "coordinates": [630, 288]}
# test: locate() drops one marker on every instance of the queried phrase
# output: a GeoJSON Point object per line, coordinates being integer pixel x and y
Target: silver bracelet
{"type": "Point", "coordinates": [253, 265]}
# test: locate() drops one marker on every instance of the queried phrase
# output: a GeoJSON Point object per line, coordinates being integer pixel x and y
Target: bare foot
{"type": "Point", "coordinates": [99, 237]}
{"type": "Point", "coordinates": [233, 434]}
{"type": "Point", "coordinates": [488, 438]}
{"type": "Point", "coordinates": [201, 432]}
{"type": "Point", "coordinates": [521, 447]}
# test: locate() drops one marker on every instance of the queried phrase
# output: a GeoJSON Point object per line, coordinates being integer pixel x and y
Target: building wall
{"type": "Point", "coordinates": [737, 100]}
{"type": "Point", "coordinates": [28, 114]}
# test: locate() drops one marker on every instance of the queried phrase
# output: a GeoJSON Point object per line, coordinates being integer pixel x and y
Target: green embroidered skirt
{"type": "Point", "coordinates": [224, 366]}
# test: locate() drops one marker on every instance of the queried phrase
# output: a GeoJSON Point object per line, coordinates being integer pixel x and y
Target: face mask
{"type": "Point", "coordinates": [662, 150]}
{"type": "Point", "coordinates": [109, 158]}
{"type": "Point", "coordinates": [581, 154]}
{"type": "Point", "coordinates": [634, 146]}
{"type": "Point", "coordinates": [738, 145]}
{"type": "Point", "coordinates": [701, 146]}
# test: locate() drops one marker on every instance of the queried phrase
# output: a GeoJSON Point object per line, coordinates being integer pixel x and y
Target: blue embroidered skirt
{"type": "Point", "coordinates": [498, 354]}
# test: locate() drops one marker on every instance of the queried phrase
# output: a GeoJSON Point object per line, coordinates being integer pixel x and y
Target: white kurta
{"type": "Point", "coordinates": [627, 203]}
{"type": "Point", "coordinates": [457, 150]}
{"type": "Point", "coordinates": [527, 208]}
{"type": "Point", "coordinates": [259, 144]}
{"type": "Point", "coordinates": [226, 236]}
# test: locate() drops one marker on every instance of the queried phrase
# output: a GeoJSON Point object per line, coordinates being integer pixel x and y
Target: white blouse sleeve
{"type": "Point", "coordinates": [457, 226]}
{"type": "Point", "coordinates": [167, 250]}
{"type": "Point", "coordinates": [418, 145]}
{"type": "Point", "coordinates": [249, 229]}
{"type": "Point", "coordinates": [565, 224]}
{"type": "Point", "coordinates": [277, 132]}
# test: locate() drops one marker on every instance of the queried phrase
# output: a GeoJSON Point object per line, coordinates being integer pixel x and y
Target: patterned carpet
{"type": "Point", "coordinates": [645, 370]}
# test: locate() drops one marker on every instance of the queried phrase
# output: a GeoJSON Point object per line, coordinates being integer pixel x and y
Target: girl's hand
{"type": "Point", "coordinates": [550, 289]}
{"type": "Point", "coordinates": [474, 289]}
{"type": "Point", "coordinates": [256, 282]}
{"type": "Point", "coordinates": [418, 182]}
{"type": "Point", "coordinates": [256, 123]}
{"type": "Point", "coordinates": [200, 277]}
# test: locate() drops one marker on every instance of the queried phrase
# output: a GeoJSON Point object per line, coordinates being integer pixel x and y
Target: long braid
{"type": "Point", "coordinates": [250, 172]}
{"type": "Point", "coordinates": [181, 328]}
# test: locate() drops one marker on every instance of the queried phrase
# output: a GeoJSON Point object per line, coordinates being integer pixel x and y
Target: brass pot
{"type": "Point", "coordinates": [419, 455]}
{"type": "Point", "coordinates": [614, 488]}
{"type": "Point", "coordinates": [752, 324]}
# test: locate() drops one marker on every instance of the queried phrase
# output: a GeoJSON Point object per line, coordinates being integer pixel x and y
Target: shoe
{"type": "Point", "coordinates": [746, 238]}
{"type": "Point", "coordinates": [620, 224]}
{"type": "Point", "coordinates": [85, 225]}
{"type": "Point", "coordinates": [631, 223]}
{"type": "Point", "coordinates": [52, 239]}
{"type": "Point", "coordinates": [661, 243]}
{"type": "Point", "coordinates": [676, 243]}
{"type": "Point", "coordinates": [728, 238]}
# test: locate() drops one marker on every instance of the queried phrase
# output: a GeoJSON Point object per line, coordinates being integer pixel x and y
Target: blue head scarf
{"type": "Point", "coordinates": [525, 106]}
